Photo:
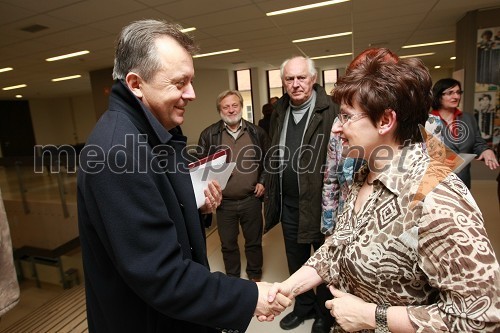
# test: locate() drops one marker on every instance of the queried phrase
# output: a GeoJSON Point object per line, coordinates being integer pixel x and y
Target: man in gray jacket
{"type": "Point", "coordinates": [300, 128]}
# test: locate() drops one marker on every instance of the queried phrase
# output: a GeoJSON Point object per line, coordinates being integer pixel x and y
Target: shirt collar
{"type": "Point", "coordinates": [121, 89]}
{"type": "Point", "coordinates": [457, 113]}
{"type": "Point", "coordinates": [396, 173]}
{"type": "Point", "coordinates": [240, 127]}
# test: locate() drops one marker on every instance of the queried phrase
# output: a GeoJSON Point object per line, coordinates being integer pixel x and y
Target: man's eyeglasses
{"type": "Point", "coordinates": [452, 92]}
{"type": "Point", "coordinates": [345, 117]}
{"type": "Point", "coordinates": [291, 79]}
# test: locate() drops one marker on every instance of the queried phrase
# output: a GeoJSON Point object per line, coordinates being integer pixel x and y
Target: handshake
{"type": "Point", "coordinates": [273, 300]}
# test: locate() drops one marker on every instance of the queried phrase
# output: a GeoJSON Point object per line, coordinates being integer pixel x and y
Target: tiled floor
{"type": "Point", "coordinates": [275, 268]}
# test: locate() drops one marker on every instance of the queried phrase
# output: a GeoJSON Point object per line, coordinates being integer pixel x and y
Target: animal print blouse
{"type": "Point", "coordinates": [418, 241]}
{"type": "Point", "coordinates": [339, 172]}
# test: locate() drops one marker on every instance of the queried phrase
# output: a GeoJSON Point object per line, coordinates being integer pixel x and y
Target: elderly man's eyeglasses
{"type": "Point", "coordinates": [345, 117]}
{"type": "Point", "coordinates": [291, 79]}
{"type": "Point", "coordinates": [453, 92]}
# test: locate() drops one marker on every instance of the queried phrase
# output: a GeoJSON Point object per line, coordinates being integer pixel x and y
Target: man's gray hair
{"type": "Point", "coordinates": [136, 49]}
{"type": "Point", "coordinates": [310, 65]}
{"type": "Point", "coordinates": [226, 93]}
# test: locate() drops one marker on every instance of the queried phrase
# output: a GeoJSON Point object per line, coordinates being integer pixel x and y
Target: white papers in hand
{"type": "Point", "coordinates": [213, 169]}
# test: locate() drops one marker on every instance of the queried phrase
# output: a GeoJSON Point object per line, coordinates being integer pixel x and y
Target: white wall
{"type": "Point", "coordinates": [440, 73]}
{"type": "Point", "coordinates": [202, 112]}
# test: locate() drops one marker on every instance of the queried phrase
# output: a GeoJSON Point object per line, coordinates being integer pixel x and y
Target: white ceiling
{"type": "Point", "coordinates": [93, 25]}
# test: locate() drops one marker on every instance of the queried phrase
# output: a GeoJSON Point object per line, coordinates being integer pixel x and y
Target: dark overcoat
{"type": "Point", "coordinates": [143, 244]}
{"type": "Point", "coordinates": [311, 163]}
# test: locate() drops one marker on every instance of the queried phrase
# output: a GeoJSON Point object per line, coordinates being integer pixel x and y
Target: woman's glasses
{"type": "Point", "coordinates": [345, 117]}
{"type": "Point", "coordinates": [452, 92]}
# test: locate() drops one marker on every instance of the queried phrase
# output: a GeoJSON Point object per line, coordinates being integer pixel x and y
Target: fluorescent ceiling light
{"type": "Point", "coordinates": [188, 29]}
{"type": "Point", "coordinates": [322, 37]}
{"type": "Point", "coordinates": [66, 78]}
{"type": "Point", "coordinates": [313, 5]}
{"type": "Point", "coordinates": [15, 87]}
{"type": "Point", "coordinates": [64, 56]}
{"type": "Point", "coordinates": [332, 56]}
{"type": "Point", "coordinates": [453, 58]}
{"type": "Point", "coordinates": [417, 55]}
{"type": "Point", "coordinates": [427, 44]}
{"type": "Point", "coordinates": [215, 53]}
{"type": "Point", "coordinates": [6, 69]}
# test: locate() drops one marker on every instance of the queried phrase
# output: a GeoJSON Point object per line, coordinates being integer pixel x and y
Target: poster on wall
{"type": "Point", "coordinates": [487, 92]}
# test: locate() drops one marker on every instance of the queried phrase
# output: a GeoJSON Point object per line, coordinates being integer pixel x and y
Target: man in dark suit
{"type": "Point", "coordinates": [143, 243]}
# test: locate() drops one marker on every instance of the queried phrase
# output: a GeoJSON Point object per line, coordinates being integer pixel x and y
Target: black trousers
{"type": "Point", "coordinates": [247, 213]}
{"type": "Point", "coordinates": [297, 254]}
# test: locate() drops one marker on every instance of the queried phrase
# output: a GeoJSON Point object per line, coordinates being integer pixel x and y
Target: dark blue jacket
{"type": "Point", "coordinates": [143, 244]}
{"type": "Point", "coordinates": [469, 141]}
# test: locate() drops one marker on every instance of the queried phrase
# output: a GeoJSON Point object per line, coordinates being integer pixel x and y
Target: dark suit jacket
{"type": "Point", "coordinates": [469, 141]}
{"type": "Point", "coordinates": [143, 244]}
{"type": "Point", "coordinates": [316, 137]}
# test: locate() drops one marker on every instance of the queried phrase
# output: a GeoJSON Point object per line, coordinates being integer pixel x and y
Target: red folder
{"type": "Point", "coordinates": [209, 158]}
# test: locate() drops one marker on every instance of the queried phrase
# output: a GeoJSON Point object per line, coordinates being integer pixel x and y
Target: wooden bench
{"type": "Point", "coordinates": [64, 314]}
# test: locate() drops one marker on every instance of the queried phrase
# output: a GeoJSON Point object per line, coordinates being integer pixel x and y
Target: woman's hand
{"type": "Point", "coordinates": [351, 312]}
{"type": "Point", "coordinates": [489, 159]}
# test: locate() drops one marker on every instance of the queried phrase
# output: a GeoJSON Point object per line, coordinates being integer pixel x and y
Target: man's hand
{"type": "Point", "coordinates": [259, 190]}
{"type": "Point", "coordinates": [213, 198]}
{"type": "Point", "coordinates": [266, 310]}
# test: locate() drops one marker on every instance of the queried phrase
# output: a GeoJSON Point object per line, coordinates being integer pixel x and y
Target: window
{"type": "Point", "coordinates": [274, 84]}
{"type": "Point", "coordinates": [329, 78]}
{"type": "Point", "coordinates": [244, 86]}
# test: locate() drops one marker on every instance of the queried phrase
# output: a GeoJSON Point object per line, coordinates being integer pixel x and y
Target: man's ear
{"type": "Point", "coordinates": [134, 82]}
{"type": "Point", "coordinates": [387, 122]}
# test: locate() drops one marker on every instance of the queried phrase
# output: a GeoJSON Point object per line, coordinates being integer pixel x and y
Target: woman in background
{"type": "Point", "coordinates": [461, 132]}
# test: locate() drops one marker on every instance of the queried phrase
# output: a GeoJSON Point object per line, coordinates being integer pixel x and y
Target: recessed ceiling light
{"type": "Point", "coordinates": [427, 44]}
{"type": "Point", "coordinates": [417, 55]}
{"type": "Point", "coordinates": [214, 53]}
{"type": "Point", "coordinates": [313, 5]}
{"type": "Point", "coordinates": [19, 96]}
{"type": "Point", "coordinates": [69, 55]}
{"type": "Point", "coordinates": [66, 78]}
{"type": "Point", "coordinates": [6, 69]}
{"type": "Point", "coordinates": [453, 58]}
{"type": "Point", "coordinates": [14, 87]}
{"type": "Point", "coordinates": [437, 67]}
{"type": "Point", "coordinates": [332, 56]}
{"type": "Point", "coordinates": [188, 29]}
{"type": "Point", "coordinates": [322, 37]}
